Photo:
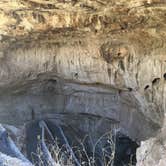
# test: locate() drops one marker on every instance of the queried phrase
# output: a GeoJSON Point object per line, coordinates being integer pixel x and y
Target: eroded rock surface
{"type": "Point", "coordinates": [103, 58]}
{"type": "Point", "coordinates": [152, 151]}
{"type": "Point", "coordinates": [8, 161]}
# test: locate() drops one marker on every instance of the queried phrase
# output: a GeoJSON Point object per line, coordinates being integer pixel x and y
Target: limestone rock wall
{"type": "Point", "coordinates": [77, 77]}
{"type": "Point", "coordinates": [105, 58]}
{"type": "Point", "coordinates": [152, 151]}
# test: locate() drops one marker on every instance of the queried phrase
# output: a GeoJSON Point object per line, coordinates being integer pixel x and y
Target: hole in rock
{"type": "Point", "coordinates": [130, 89]}
{"type": "Point", "coordinates": [156, 80]}
{"type": "Point", "coordinates": [119, 53]}
{"type": "Point", "coordinates": [54, 81]}
{"type": "Point", "coordinates": [76, 75]}
{"type": "Point", "coordinates": [146, 87]}
{"type": "Point", "coordinates": [164, 76]}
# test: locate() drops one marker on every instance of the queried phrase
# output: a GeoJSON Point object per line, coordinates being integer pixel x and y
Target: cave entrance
{"type": "Point", "coordinates": [84, 112]}
{"type": "Point", "coordinates": [93, 141]}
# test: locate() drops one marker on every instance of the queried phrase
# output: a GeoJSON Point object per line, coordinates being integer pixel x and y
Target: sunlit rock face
{"type": "Point", "coordinates": [152, 151]}
{"type": "Point", "coordinates": [101, 58]}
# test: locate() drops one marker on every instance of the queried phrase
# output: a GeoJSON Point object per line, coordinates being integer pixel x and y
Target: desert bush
{"type": "Point", "coordinates": [101, 153]}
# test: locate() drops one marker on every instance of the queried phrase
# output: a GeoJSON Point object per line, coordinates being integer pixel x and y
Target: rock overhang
{"type": "Point", "coordinates": [67, 38]}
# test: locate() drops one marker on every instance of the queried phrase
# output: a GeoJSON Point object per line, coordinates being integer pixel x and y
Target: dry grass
{"type": "Point", "coordinates": [63, 157]}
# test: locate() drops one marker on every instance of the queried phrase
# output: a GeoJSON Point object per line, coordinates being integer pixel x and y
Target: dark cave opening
{"type": "Point", "coordinates": [155, 80]}
{"type": "Point", "coordinates": [164, 76]}
{"type": "Point", "coordinates": [125, 152]}
{"type": "Point", "coordinates": [146, 87]}
{"type": "Point", "coordinates": [47, 103]}
{"type": "Point", "coordinates": [108, 144]}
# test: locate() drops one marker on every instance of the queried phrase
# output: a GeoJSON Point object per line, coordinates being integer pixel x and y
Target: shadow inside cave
{"type": "Point", "coordinates": [93, 140]}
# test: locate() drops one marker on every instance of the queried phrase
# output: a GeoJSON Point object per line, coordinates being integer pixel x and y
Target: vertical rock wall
{"type": "Point", "coordinates": [105, 58]}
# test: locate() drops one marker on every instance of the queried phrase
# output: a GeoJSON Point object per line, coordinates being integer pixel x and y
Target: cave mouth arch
{"type": "Point", "coordinates": [85, 133]}
{"type": "Point", "coordinates": [80, 108]}
{"type": "Point", "coordinates": [48, 95]}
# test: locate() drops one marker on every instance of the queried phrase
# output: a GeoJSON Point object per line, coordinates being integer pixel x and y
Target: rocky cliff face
{"type": "Point", "coordinates": [101, 58]}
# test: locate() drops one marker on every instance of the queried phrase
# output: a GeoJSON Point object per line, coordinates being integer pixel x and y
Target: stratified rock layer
{"type": "Point", "coordinates": [104, 58]}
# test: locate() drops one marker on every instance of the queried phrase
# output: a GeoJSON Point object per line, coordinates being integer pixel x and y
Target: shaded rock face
{"type": "Point", "coordinates": [78, 78]}
{"type": "Point", "coordinates": [105, 59]}
{"type": "Point", "coordinates": [123, 147]}
{"type": "Point", "coordinates": [71, 129]}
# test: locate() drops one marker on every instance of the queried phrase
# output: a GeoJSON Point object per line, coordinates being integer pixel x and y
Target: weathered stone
{"type": "Point", "coordinates": [11, 161]}
{"type": "Point", "coordinates": [152, 151]}
{"type": "Point", "coordinates": [104, 58]}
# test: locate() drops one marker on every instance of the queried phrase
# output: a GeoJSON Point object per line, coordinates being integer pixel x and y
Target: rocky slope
{"type": "Point", "coordinates": [104, 58]}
